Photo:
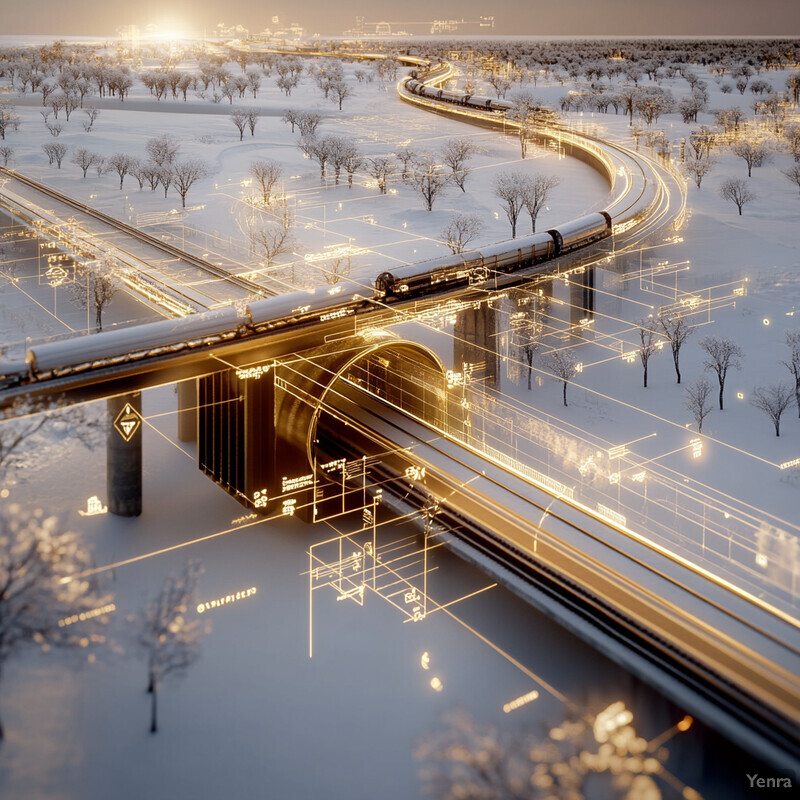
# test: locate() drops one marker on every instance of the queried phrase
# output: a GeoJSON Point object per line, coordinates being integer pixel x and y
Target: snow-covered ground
{"type": "Point", "coordinates": [255, 717]}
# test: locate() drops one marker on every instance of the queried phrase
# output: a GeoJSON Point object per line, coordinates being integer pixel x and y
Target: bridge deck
{"type": "Point", "coordinates": [701, 640]}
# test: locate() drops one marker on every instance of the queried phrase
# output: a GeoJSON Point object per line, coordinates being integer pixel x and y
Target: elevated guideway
{"type": "Point", "coordinates": [711, 646]}
{"type": "Point", "coordinates": [174, 281]}
{"type": "Point", "coordinates": [645, 197]}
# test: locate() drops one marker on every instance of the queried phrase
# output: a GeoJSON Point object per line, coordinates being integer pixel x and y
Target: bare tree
{"type": "Point", "coordinates": [457, 152]}
{"type": "Point", "coordinates": [535, 193]}
{"type": "Point", "coordinates": [273, 238]}
{"type": "Point", "coordinates": [254, 83]}
{"type": "Point", "coordinates": [652, 101]}
{"type": "Point", "coordinates": [526, 112]}
{"type": "Point", "coordinates": [738, 192]}
{"type": "Point", "coordinates": [55, 151]}
{"type": "Point", "coordinates": [677, 330]}
{"type": "Point", "coordinates": [342, 91]}
{"type": "Point", "coordinates": [698, 168]}
{"type": "Point", "coordinates": [92, 113]}
{"type": "Point", "coordinates": [122, 163]}
{"type": "Point", "coordinates": [71, 102]}
{"type": "Point", "coordinates": [307, 122]}
{"type": "Point", "coordinates": [96, 284]}
{"type": "Point", "coordinates": [562, 364]}
{"type": "Point", "coordinates": [151, 173]}
{"type": "Point", "coordinates": [406, 157]}
{"type": "Point", "coordinates": [773, 401]}
{"type": "Point", "coordinates": [6, 153]}
{"type": "Point", "coordinates": [252, 119]}
{"type": "Point", "coordinates": [753, 152]}
{"type": "Point", "coordinates": [336, 269]}
{"type": "Point", "coordinates": [321, 151]}
{"type": "Point", "coordinates": [793, 364]}
{"type": "Point", "coordinates": [186, 173]}
{"type": "Point", "coordinates": [18, 442]}
{"type": "Point", "coordinates": [238, 117]}
{"type": "Point", "coordinates": [461, 230]}
{"type": "Point", "coordinates": [56, 103]}
{"type": "Point", "coordinates": [267, 175]}
{"type": "Point", "coordinates": [285, 83]}
{"type": "Point", "coordinates": [648, 344]}
{"type": "Point", "coordinates": [290, 117]}
{"type": "Point", "coordinates": [351, 161]}
{"type": "Point", "coordinates": [82, 158]}
{"type": "Point", "coordinates": [698, 400]}
{"type": "Point", "coordinates": [526, 327]}
{"type": "Point", "coordinates": [42, 602]}
{"type": "Point", "coordinates": [508, 187]}
{"type": "Point", "coordinates": [578, 758]}
{"type": "Point", "coordinates": [229, 90]}
{"type": "Point", "coordinates": [162, 150]}
{"type": "Point", "coordinates": [381, 168]}
{"type": "Point", "coordinates": [55, 128]}
{"type": "Point", "coordinates": [722, 355]}
{"type": "Point", "coordinates": [793, 174]}
{"type": "Point", "coordinates": [429, 179]}
{"type": "Point", "coordinates": [170, 640]}
{"type": "Point", "coordinates": [340, 150]}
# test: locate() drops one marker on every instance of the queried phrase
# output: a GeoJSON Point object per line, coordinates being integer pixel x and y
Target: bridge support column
{"type": "Point", "coordinates": [236, 435]}
{"type": "Point", "coordinates": [581, 295]}
{"type": "Point", "coordinates": [475, 342]}
{"type": "Point", "coordinates": [187, 410]}
{"type": "Point", "coordinates": [124, 455]}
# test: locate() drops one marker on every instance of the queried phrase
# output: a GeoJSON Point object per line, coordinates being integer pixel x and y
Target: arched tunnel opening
{"type": "Point", "coordinates": [292, 436]}
{"type": "Point", "coordinates": [325, 392]}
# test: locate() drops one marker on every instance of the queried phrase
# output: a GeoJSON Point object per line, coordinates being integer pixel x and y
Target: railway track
{"type": "Point", "coordinates": [733, 659]}
{"type": "Point", "coordinates": [245, 288]}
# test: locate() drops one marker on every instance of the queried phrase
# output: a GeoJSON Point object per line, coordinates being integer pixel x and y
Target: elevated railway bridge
{"type": "Point", "coordinates": [283, 393]}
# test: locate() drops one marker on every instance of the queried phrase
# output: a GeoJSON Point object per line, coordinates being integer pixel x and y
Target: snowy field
{"type": "Point", "coordinates": [255, 717]}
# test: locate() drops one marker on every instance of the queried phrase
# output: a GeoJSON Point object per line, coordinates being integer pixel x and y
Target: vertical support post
{"type": "Point", "coordinates": [588, 291]}
{"type": "Point", "coordinates": [475, 341]}
{"type": "Point", "coordinates": [187, 410]}
{"type": "Point", "coordinates": [124, 455]}
{"type": "Point", "coordinates": [581, 295]}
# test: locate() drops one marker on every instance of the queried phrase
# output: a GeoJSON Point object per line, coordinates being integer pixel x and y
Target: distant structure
{"type": "Point", "coordinates": [224, 31]}
{"type": "Point", "coordinates": [129, 36]}
{"type": "Point", "coordinates": [292, 33]}
{"type": "Point", "coordinates": [363, 29]}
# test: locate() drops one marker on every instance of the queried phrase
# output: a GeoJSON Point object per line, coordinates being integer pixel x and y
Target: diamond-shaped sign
{"type": "Point", "coordinates": [56, 276]}
{"type": "Point", "coordinates": [127, 422]}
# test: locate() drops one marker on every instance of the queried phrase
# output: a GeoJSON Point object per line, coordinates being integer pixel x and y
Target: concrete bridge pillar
{"type": "Point", "coordinates": [581, 295]}
{"type": "Point", "coordinates": [124, 455]}
{"type": "Point", "coordinates": [475, 342]}
{"type": "Point", "coordinates": [187, 410]}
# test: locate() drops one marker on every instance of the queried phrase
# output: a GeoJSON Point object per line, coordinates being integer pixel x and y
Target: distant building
{"type": "Point", "coordinates": [129, 36]}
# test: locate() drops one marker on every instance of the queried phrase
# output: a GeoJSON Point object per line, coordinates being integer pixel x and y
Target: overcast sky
{"type": "Point", "coordinates": [331, 17]}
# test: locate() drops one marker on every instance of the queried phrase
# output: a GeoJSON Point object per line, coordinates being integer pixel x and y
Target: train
{"type": "Point", "coordinates": [544, 116]}
{"type": "Point", "coordinates": [476, 267]}
{"type": "Point", "coordinates": [346, 299]}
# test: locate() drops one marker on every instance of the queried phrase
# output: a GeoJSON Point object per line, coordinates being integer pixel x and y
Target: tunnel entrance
{"type": "Point", "coordinates": [277, 435]}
